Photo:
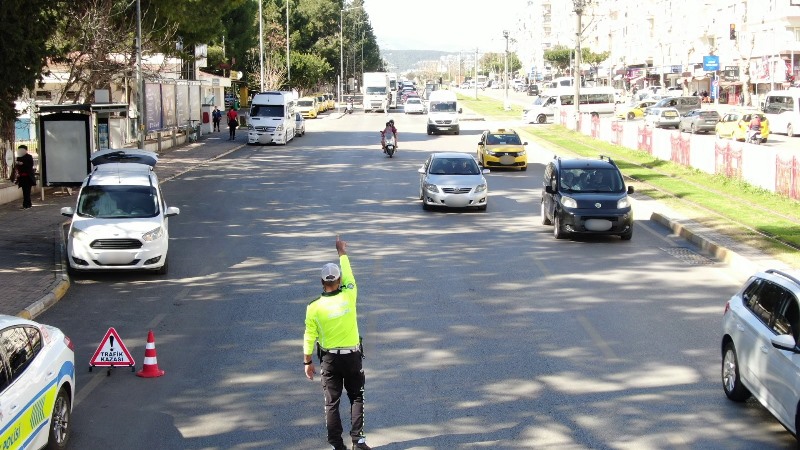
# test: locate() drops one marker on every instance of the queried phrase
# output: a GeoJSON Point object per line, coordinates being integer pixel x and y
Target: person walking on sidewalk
{"type": "Point", "coordinates": [233, 122]}
{"type": "Point", "coordinates": [25, 178]}
{"type": "Point", "coordinates": [332, 324]}
{"type": "Point", "coordinates": [217, 116]}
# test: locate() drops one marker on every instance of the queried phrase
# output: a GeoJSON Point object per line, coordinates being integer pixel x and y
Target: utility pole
{"type": "Point", "coordinates": [140, 125]}
{"type": "Point", "coordinates": [476, 73]}
{"type": "Point", "coordinates": [579, 7]}
{"type": "Point", "coordinates": [505, 75]}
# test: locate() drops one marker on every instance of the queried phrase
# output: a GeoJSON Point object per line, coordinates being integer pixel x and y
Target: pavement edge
{"type": "Point", "coordinates": [61, 283]}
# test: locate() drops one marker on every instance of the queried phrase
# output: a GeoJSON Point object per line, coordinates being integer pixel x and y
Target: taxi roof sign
{"type": "Point", "coordinates": [111, 352]}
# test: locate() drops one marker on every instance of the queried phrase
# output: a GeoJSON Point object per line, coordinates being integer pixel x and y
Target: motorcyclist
{"type": "Point", "coordinates": [755, 126]}
{"type": "Point", "coordinates": [389, 129]}
{"type": "Point", "coordinates": [349, 107]}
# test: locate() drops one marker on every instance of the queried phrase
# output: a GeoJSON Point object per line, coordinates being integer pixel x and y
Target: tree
{"type": "Point", "coordinates": [560, 57]}
{"type": "Point", "coordinates": [28, 25]}
{"type": "Point", "coordinates": [593, 59]}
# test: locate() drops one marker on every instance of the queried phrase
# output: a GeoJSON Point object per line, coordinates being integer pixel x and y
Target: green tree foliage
{"type": "Point", "coordinates": [27, 26]}
{"type": "Point", "coordinates": [559, 57]}
{"type": "Point", "coordinates": [592, 58]}
{"type": "Point", "coordinates": [495, 62]}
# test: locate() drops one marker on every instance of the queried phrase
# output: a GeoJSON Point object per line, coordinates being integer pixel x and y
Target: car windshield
{"type": "Point", "coordinates": [376, 90]}
{"type": "Point", "coordinates": [540, 100]}
{"type": "Point", "coordinates": [266, 111]}
{"type": "Point", "coordinates": [454, 166]}
{"type": "Point", "coordinates": [591, 180]}
{"type": "Point", "coordinates": [443, 106]}
{"type": "Point", "coordinates": [305, 103]}
{"type": "Point", "coordinates": [413, 100]}
{"type": "Point", "coordinates": [503, 139]}
{"type": "Point", "coordinates": [109, 202]}
{"type": "Point", "coordinates": [709, 114]}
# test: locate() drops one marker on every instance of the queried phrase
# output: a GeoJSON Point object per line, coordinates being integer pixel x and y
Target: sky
{"type": "Point", "coordinates": [447, 25]}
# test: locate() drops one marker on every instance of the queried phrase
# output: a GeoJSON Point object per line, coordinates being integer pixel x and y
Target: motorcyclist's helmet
{"type": "Point", "coordinates": [391, 122]}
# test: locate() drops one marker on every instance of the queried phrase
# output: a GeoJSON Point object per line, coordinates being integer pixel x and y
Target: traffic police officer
{"type": "Point", "coordinates": [331, 322]}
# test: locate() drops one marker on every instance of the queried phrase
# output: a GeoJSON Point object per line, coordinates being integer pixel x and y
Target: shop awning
{"type": "Point", "coordinates": [730, 83]}
{"type": "Point", "coordinates": [617, 77]}
{"type": "Point", "coordinates": [634, 80]}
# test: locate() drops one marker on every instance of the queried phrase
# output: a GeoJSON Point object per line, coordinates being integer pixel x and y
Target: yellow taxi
{"type": "Point", "coordinates": [322, 102]}
{"type": "Point", "coordinates": [331, 101]}
{"type": "Point", "coordinates": [634, 110]}
{"type": "Point", "coordinates": [734, 125]}
{"type": "Point", "coordinates": [307, 107]}
{"type": "Point", "coordinates": [502, 148]}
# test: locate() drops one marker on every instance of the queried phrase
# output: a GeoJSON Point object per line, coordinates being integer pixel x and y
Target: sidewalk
{"type": "Point", "coordinates": [31, 263]}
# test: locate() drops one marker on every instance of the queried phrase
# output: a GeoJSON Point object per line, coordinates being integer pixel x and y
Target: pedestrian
{"type": "Point", "coordinates": [25, 178]}
{"type": "Point", "coordinates": [233, 122]}
{"type": "Point", "coordinates": [217, 116]}
{"type": "Point", "coordinates": [332, 325]}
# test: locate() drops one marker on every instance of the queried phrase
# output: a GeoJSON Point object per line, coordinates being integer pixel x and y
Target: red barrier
{"type": "Point", "coordinates": [616, 132]}
{"type": "Point", "coordinates": [680, 149]}
{"type": "Point", "coordinates": [727, 160]}
{"type": "Point", "coordinates": [645, 142]}
{"type": "Point", "coordinates": [786, 177]}
{"type": "Point", "coordinates": [595, 126]}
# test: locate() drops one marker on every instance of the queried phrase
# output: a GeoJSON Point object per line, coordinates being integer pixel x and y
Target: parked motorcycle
{"type": "Point", "coordinates": [349, 108]}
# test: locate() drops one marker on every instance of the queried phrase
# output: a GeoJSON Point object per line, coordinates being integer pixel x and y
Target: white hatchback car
{"type": "Point", "coordinates": [121, 219]}
{"type": "Point", "coordinates": [37, 384]}
{"type": "Point", "coordinates": [453, 180]}
{"type": "Point", "coordinates": [662, 117]}
{"type": "Point", "coordinates": [299, 124]}
{"type": "Point", "coordinates": [414, 105]}
{"type": "Point", "coordinates": [760, 355]}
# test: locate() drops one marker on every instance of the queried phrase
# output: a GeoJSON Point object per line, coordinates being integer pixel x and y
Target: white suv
{"type": "Point", "coordinates": [760, 356]}
{"type": "Point", "coordinates": [121, 219]}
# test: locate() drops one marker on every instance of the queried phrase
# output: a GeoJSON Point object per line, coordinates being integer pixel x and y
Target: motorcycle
{"type": "Point", "coordinates": [349, 108]}
{"type": "Point", "coordinates": [389, 145]}
{"type": "Point", "coordinates": [753, 137]}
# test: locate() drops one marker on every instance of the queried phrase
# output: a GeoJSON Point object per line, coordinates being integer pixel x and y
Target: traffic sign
{"type": "Point", "coordinates": [111, 352]}
{"type": "Point", "coordinates": [711, 63]}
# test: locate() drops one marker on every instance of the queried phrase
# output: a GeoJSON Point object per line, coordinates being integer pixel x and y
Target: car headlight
{"type": "Point", "coordinates": [79, 235]}
{"type": "Point", "coordinates": [250, 128]}
{"type": "Point", "coordinates": [279, 128]}
{"type": "Point", "coordinates": [490, 152]}
{"type": "Point", "coordinates": [153, 234]}
{"type": "Point", "coordinates": [522, 152]}
{"type": "Point", "coordinates": [624, 202]}
{"type": "Point", "coordinates": [569, 202]}
{"type": "Point", "coordinates": [480, 188]}
{"type": "Point", "coordinates": [431, 187]}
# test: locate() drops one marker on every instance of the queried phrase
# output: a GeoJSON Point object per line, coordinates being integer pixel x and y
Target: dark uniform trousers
{"type": "Point", "coordinates": [339, 371]}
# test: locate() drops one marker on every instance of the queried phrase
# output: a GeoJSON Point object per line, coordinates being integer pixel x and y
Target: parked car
{"type": "Point", "coordinates": [734, 125]}
{"type": "Point", "coordinates": [121, 220]}
{"type": "Point", "coordinates": [308, 107]}
{"type": "Point", "coordinates": [635, 110]}
{"type": "Point", "coordinates": [322, 103]}
{"type": "Point", "coordinates": [662, 117]}
{"type": "Point", "coordinates": [698, 120]}
{"type": "Point", "coordinates": [682, 104]}
{"type": "Point", "coordinates": [533, 89]}
{"type": "Point", "coordinates": [760, 355]}
{"type": "Point", "coordinates": [452, 180]}
{"type": "Point", "coordinates": [413, 105]}
{"type": "Point", "coordinates": [299, 124]}
{"type": "Point", "coordinates": [586, 196]}
{"type": "Point", "coordinates": [502, 148]}
{"type": "Point", "coordinates": [37, 384]}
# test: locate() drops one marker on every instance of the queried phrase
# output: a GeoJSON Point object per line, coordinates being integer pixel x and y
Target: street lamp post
{"type": "Point", "coordinates": [341, 50]}
{"type": "Point", "coordinates": [505, 98]}
{"type": "Point", "coordinates": [288, 65]}
{"type": "Point", "coordinates": [580, 5]}
{"type": "Point", "coordinates": [261, 44]}
{"type": "Point", "coordinates": [139, 79]}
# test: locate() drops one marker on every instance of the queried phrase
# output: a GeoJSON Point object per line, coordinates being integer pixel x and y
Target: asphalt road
{"type": "Point", "coordinates": [481, 330]}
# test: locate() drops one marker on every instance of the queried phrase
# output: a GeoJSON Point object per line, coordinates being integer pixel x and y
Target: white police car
{"type": "Point", "coordinates": [37, 385]}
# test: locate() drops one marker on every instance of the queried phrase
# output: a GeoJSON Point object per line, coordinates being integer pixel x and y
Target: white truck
{"type": "Point", "coordinates": [443, 111]}
{"type": "Point", "coordinates": [394, 89]}
{"type": "Point", "coordinates": [376, 91]}
{"type": "Point", "coordinates": [271, 118]}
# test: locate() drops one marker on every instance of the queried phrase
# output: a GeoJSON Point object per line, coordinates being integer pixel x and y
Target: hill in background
{"type": "Point", "coordinates": [405, 60]}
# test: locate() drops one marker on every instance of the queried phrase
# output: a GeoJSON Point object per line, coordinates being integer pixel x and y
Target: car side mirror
{"type": "Point", "coordinates": [486, 171]}
{"type": "Point", "coordinates": [67, 211]}
{"type": "Point", "coordinates": [172, 211]}
{"type": "Point", "coordinates": [549, 189]}
{"type": "Point", "coordinates": [785, 342]}
{"type": "Point", "coordinates": [525, 143]}
{"type": "Point", "coordinates": [630, 189]}
{"type": "Point", "coordinates": [421, 170]}
{"type": "Point", "coordinates": [459, 110]}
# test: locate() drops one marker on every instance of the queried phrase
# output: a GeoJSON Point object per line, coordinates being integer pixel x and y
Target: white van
{"type": "Point", "coordinates": [271, 118]}
{"type": "Point", "coordinates": [597, 101]}
{"type": "Point", "coordinates": [121, 219]}
{"type": "Point", "coordinates": [443, 111]}
{"type": "Point", "coordinates": [782, 109]}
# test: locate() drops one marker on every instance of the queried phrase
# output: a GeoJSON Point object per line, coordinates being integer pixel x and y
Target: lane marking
{"type": "Point", "coordinates": [605, 349]}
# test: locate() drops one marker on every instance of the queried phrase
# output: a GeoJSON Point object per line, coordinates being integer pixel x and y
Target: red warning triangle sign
{"type": "Point", "coordinates": [112, 352]}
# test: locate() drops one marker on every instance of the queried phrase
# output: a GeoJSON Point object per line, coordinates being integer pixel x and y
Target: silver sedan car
{"type": "Point", "coordinates": [452, 180]}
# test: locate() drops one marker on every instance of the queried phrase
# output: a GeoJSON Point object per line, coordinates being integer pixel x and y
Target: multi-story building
{"type": "Point", "coordinates": [664, 42]}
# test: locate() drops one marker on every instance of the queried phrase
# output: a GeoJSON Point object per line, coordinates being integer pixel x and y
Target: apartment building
{"type": "Point", "coordinates": [663, 42]}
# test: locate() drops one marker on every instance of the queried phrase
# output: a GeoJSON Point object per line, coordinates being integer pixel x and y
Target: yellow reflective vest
{"type": "Point", "coordinates": [331, 319]}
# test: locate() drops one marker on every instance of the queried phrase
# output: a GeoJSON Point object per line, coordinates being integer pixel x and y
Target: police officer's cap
{"type": "Point", "coordinates": [330, 272]}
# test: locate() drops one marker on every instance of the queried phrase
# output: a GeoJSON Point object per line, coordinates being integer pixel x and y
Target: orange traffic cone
{"type": "Point", "coordinates": [150, 365]}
